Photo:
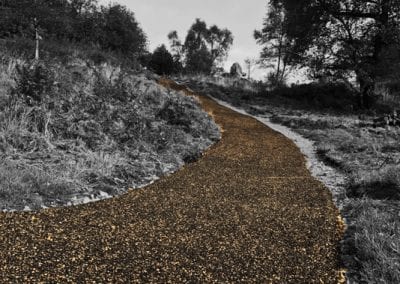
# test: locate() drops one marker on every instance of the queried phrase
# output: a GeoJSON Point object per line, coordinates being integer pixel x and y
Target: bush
{"type": "Point", "coordinates": [161, 61]}
{"type": "Point", "coordinates": [35, 83]}
{"type": "Point", "coordinates": [335, 96]}
{"type": "Point", "coordinates": [98, 57]}
{"type": "Point", "coordinates": [175, 113]}
{"type": "Point", "coordinates": [112, 27]}
{"type": "Point", "coordinates": [18, 47]}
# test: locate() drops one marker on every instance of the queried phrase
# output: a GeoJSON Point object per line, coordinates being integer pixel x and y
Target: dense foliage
{"type": "Point", "coordinates": [111, 27]}
{"type": "Point", "coordinates": [161, 61]}
{"type": "Point", "coordinates": [204, 47]}
{"type": "Point", "coordinates": [337, 39]}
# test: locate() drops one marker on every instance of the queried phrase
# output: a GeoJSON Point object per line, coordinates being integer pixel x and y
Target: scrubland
{"type": "Point", "coordinates": [78, 130]}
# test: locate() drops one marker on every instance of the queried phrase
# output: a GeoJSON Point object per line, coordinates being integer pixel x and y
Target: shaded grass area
{"type": "Point", "coordinates": [372, 241]}
{"type": "Point", "coordinates": [77, 130]}
{"type": "Point", "coordinates": [369, 157]}
{"type": "Point", "coordinates": [329, 97]}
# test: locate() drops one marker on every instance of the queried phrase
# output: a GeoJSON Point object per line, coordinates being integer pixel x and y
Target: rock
{"type": "Point", "coordinates": [236, 71]}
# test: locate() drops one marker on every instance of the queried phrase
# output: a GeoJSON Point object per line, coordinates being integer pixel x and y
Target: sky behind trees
{"type": "Point", "coordinates": [159, 17]}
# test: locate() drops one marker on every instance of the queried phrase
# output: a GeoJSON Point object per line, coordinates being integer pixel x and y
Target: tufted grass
{"type": "Point", "coordinates": [79, 129]}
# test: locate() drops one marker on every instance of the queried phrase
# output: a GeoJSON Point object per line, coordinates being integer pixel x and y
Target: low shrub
{"type": "Point", "coordinates": [35, 83]}
{"type": "Point", "coordinates": [334, 96]}
{"type": "Point", "coordinates": [174, 112]}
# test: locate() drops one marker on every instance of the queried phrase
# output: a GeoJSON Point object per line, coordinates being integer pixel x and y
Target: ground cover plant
{"type": "Point", "coordinates": [73, 131]}
{"type": "Point", "coordinates": [346, 139]}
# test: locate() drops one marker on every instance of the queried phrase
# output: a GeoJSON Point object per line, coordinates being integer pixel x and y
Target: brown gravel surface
{"type": "Point", "coordinates": [247, 211]}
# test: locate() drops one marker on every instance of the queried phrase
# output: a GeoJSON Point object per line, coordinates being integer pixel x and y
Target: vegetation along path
{"type": "Point", "coordinates": [247, 211]}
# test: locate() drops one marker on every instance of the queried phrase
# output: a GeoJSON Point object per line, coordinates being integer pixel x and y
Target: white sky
{"type": "Point", "coordinates": [158, 17]}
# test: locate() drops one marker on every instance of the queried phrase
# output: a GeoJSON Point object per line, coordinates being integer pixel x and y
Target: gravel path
{"type": "Point", "coordinates": [247, 211]}
{"type": "Point", "coordinates": [331, 177]}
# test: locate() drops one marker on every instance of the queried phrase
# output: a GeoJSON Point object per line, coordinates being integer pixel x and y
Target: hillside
{"type": "Point", "coordinates": [79, 131]}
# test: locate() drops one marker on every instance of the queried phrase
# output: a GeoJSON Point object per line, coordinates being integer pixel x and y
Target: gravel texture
{"type": "Point", "coordinates": [331, 177]}
{"type": "Point", "coordinates": [247, 211]}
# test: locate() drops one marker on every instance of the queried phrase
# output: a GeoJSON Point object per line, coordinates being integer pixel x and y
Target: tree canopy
{"type": "Point", "coordinates": [112, 27]}
{"type": "Point", "coordinates": [275, 43]}
{"type": "Point", "coordinates": [204, 47]}
{"type": "Point", "coordinates": [120, 31]}
{"type": "Point", "coordinates": [161, 61]}
{"type": "Point", "coordinates": [340, 39]}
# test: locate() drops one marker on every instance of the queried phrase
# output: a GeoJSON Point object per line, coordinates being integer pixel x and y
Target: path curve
{"type": "Point", "coordinates": [247, 211]}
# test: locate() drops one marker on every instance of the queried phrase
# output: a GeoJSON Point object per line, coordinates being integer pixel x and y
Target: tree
{"type": "Point", "coordinates": [120, 31]}
{"type": "Point", "coordinates": [203, 49]}
{"type": "Point", "coordinates": [176, 46]}
{"type": "Point", "coordinates": [177, 51]}
{"type": "Point", "coordinates": [219, 40]}
{"type": "Point", "coordinates": [161, 61]}
{"type": "Point", "coordinates": [272, 37]}
{"type": "Point", "coordinates": [80, 7]}
{"type": "Point", "coordinates": [198, 57]}
{"type": "Point", "coordinates": [199, 61]}
{"type": "Point", "coordinates": [17, 17]}
{"type": "Point", "coordinates": [112, 27]}
{"type": "Point", "coordinates": [341, 38]}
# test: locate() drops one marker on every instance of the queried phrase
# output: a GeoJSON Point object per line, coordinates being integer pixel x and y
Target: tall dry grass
{"type": "Point", "coordinates": [81, 128]}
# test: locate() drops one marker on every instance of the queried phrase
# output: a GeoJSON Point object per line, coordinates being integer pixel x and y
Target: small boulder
{"type": "Point", "coordinates": [236, 71]}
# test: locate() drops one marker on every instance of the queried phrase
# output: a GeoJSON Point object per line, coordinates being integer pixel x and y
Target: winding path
{"type": "Point", "coordinates": [247, 211]}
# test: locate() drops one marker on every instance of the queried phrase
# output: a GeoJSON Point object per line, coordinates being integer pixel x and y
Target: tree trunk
{"type": "Point", "coordinates": [365, 99]}
{"type": "Point", "coordinates": [37, 39]}
{"type": "Point", "coordinates": [367, 78]}
{"type": "Point", "coordinates": [278, 70]}
{"type": "Point", "coordinates": [283, 72]}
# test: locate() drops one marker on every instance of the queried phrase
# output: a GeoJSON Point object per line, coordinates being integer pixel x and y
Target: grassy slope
{"type": "Point", "coordinates": [94, 131]}
{"type": "Point", "coordinates": [370, 159]}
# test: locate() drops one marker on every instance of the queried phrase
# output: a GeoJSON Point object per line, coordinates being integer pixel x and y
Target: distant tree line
{"type": "Point", "coordinates": [111, 27]}
{"type": "Point", "coordinates": [114, 28]}
{"type": "Point", "coordinates": [334, 40]}
{"type": "Point", "coordinates": [204, 49]}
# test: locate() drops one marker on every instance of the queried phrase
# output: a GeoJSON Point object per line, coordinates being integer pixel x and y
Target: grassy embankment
{"type": "Point", "coordinates": [368, 156]}
{"type": "Point", "coordinates": [72, 129]}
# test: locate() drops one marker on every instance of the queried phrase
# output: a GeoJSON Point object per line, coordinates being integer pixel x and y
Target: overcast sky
{"type": "Point", "coordinates": [241, 17]}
